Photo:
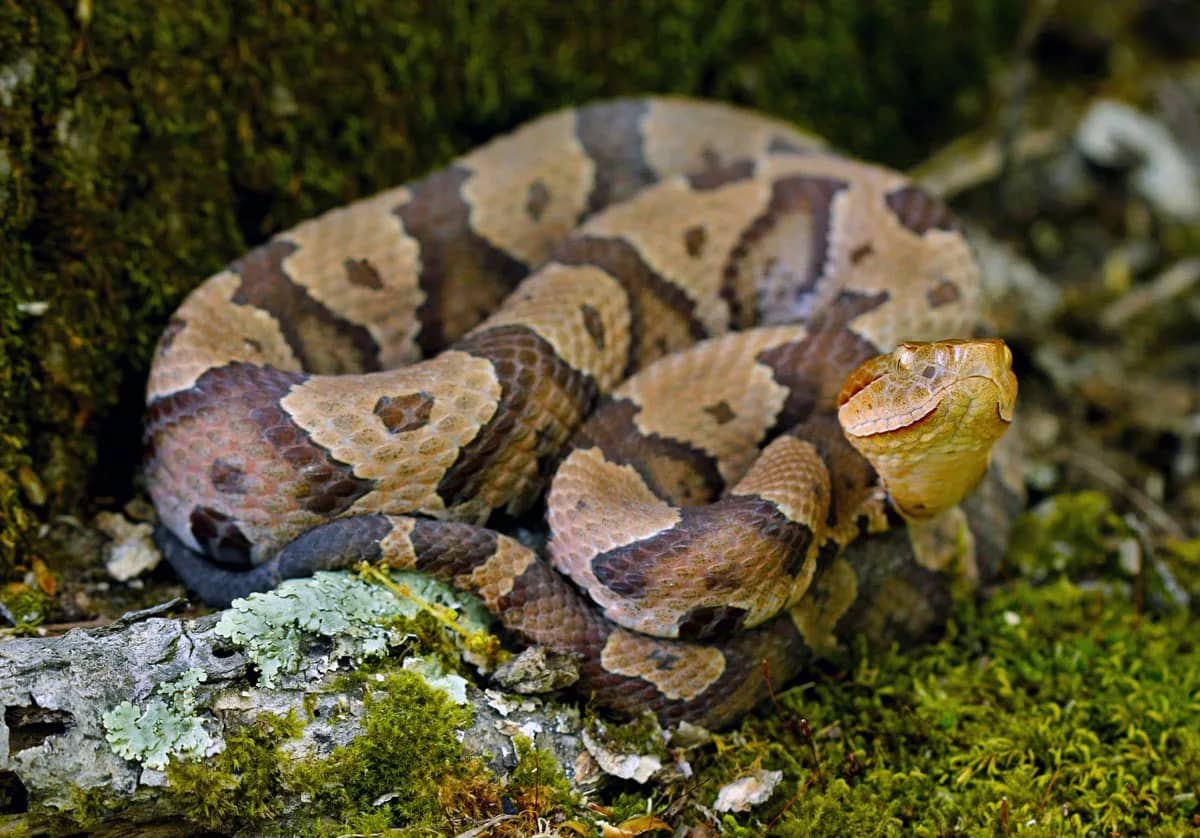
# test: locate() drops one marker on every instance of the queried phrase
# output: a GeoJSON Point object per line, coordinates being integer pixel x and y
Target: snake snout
{"type": "Point", "coordinates": [991, 360]}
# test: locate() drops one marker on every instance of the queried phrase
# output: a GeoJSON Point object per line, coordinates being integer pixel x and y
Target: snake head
{"type": "Point", "coordinates": [926, 417]}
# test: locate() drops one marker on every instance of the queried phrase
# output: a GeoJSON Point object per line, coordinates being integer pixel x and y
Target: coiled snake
{"type": "Point", "coordinates": [583, 292]}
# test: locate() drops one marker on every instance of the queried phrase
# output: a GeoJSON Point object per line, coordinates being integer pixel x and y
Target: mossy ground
{"type": "Point", "coordinates": [408, 773]}
{"type": "Point", "coordinates": [1098, 732]}
{"type": "Point", "coordinates": [1065, 703]}
{"type": "Point", "coordinates": [144, 144]}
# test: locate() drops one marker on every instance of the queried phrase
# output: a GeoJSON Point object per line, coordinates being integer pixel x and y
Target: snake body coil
{"type": "Point", "coordinates": [710, 278]}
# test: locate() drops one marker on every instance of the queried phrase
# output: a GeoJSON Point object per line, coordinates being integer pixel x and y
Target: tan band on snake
{"type": "Point", "coordinates": [658, 307]}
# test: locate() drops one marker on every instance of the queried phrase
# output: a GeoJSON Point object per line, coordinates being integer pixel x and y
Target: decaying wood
{"type": "Point", "coordinates": [55, 691]}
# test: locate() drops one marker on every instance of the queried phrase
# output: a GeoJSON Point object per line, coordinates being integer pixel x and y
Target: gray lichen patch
{"type": "Point", "coordinates": [434, 674]}
{"type": "Point", "coordinates": [359, 619]}
{"type": "Point", "coordinates": [166, 726]}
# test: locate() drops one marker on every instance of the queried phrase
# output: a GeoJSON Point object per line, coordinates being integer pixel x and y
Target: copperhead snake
{"type": "Point", "coordinates": [625, 302]}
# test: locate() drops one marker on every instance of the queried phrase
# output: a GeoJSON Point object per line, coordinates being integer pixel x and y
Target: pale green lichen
{"type": "Point", "coordinates": [166, 726]}
{"type": "Point", "coordinates": [436, 676]}
{"type": "Point", "coordinates": [360, 619]}
{"type": "Point", "coordinates": [273, 627]}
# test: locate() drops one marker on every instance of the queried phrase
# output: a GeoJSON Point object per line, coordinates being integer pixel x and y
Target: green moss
{"type": "Point", "coordinates": [408, 748]}
{"type": "Point", "coordinates": [145, 144]}
{"type": "Point", "coordinates": [407, 771]}
{"type": "Point", "coordinates": [243, 784]}
{"type": "Point", "coordinates": [25, 606]}
{"type": "Point", "coordinates": [1080, 535]}
{"type": "Point", "coordinates": [1076, 534]}
{"type": "Point", "coordinates": [89, 807]}
{"type": "Point", "coordinates": [538, 780]}
{"type": "Point", "coordinates": [1052, 709]}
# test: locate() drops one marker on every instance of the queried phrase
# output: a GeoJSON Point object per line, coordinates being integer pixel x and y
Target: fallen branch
{"type": "Point", "coordinates": [62, 772]}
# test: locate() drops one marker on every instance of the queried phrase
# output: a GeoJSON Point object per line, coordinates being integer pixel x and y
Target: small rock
{"type": "Point", "coordinates": [636, 767]}
{"type": "Point", "coordinates": [1117, 136]}
{"type": "Point", "coordinates": [587, 770]}
{"type": "Point", "coordinates": [527, 730]}
{"type": "Point", "coordinates": [746, 792]}
{"type": "Point", "coordinates": [688, 735]}
{"type": "Point", "coordinates": [132, 551]}
{"type": "Point", "coordinates": [139, 509]}
{"type": "Point", "coordinates": [500, 702]}
{"type": "Point", "coordinates": [538, 670]}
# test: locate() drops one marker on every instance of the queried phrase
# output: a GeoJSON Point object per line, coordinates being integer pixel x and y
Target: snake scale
{"type": "Point", "coordinates": [626, 303]}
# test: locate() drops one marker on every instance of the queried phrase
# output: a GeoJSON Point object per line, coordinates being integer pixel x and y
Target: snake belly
{"type": "Point", "coordinates": [632, 297]}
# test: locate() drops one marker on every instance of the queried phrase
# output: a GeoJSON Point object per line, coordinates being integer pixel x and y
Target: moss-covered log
{"type": "Point", "coordinates": [157, 726]}
{"type": "Point", "coordinates": [144, 144]}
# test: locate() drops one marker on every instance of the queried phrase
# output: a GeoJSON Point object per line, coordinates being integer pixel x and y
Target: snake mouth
{"type": "Point", "coordinates": [847, 396]}
{"type": "Point", "coordinates": [859, 380]}
{"type": "Point", "coordinates": [920, 414]}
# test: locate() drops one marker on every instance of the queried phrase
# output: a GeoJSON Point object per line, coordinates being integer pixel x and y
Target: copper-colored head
{"type": "Point", "coordinates": [926, 416]}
